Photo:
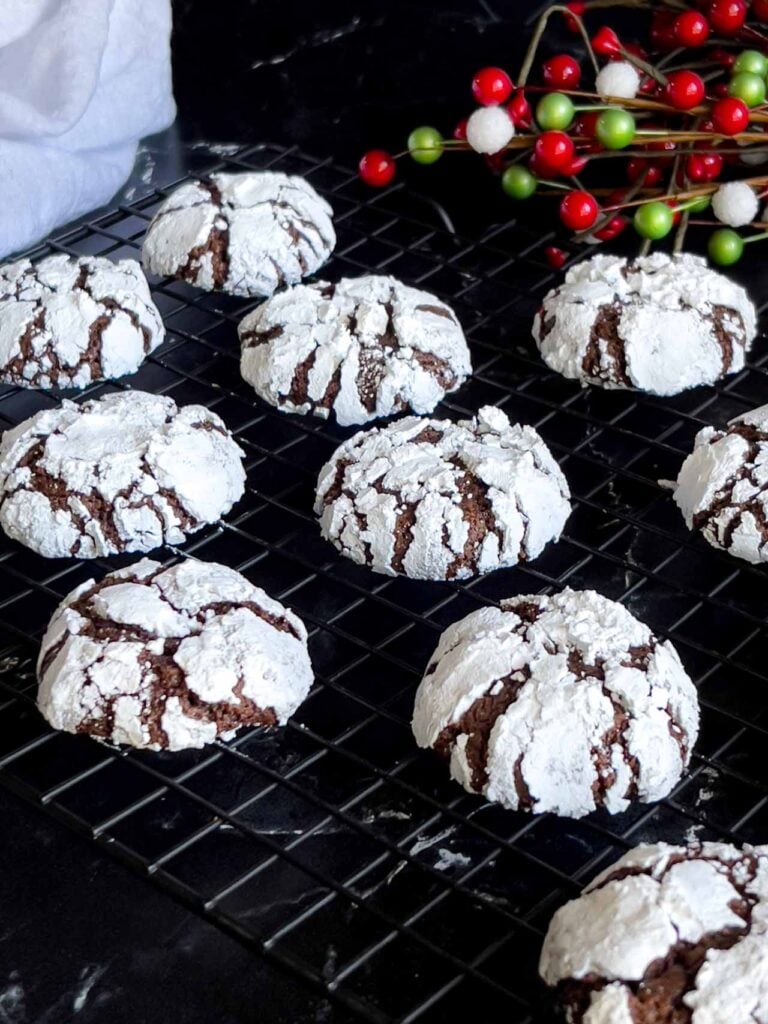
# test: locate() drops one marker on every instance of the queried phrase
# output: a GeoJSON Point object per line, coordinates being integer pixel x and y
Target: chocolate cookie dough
{"type": "Point", "coordinates": [126, 472]}
{"type": "Point", "coordinates": [667, 935]}
{"type": "Point", "coordinates": [437, 500]}
{"type": "Point", "coordinates": [659, 323]}
{"type": "Point", "coordinates": [363, 348]}
{"type": "Point", "coordinates": [67, 322]}
{"type": "Point", "coordinates": [722, 488]}
{"type": "Point", "coordinates": [563, 704]}
{"type": "Point", "coordinates": [171, 658]}
{"type": "Point", "coordinates": [246, 234]}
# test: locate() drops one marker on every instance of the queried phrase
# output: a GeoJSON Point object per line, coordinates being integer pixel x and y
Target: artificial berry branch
{"type": "Point", "coordinates": [675, 124]}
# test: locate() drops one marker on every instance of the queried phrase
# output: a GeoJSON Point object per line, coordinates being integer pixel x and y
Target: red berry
{"type": "Point", "coordinates": [760, 10]}
{"type": "Point", "coordinates": [494, 162]}
{"type": "Point", "coordinates": [720, 89]}
{"type": "Point", "coordinates": [578, 210]}
{"type": "Point", "coordinates": [519, 109]}
{"type": "Point", "coordinates": [606, 42]}
{"type": "Point", "coordinates": [691, 28]}
{"type": "Point", "coordinates": [663, 36]}
{"type": "Point", "coordinates": [676, 217]}
{"type": "Point", "coordinates": [460, 131]}
{"type": "Point", "coordinates": [723, 57]}
{"type": "Point", "coordinates": [541, 170]}
{"type": "Point", "coordinates": [650, 87]}
{"type": "Point", "coordinates": [730, 116]}
{"type": "Point", "coordinates": [555, 257]}
{"type": "Point", "coordinates": [584, 125]}
{"type": "Point", "coordinates": [638, 168]}
{"type": "Point", "coordinates": [555, 149]}
{"type": "Point", "coordinates": [727, 16]}
{"type": "Point", "coordinates": [613, 228]}
{"type": "Point", "coordinates": [704, 167]}
{"type": "Point", "coordinates": [377, 168]}
{"type": "Point", "coordinates": [684, 90]}
{"type": "Point", "coordinates": [634, 48]}
{"type": "Point", "coordinates": [561, 72]}
{"type": "Point", "coordinates": [491, 86]}
{"type": "Point", "coordinates": [570, 22]}
{"type": "Point", "coordinates": [576, 166]}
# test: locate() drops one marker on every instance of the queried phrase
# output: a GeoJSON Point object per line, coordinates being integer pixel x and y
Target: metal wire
{"type": "Point", "coordinates": [333, 848]}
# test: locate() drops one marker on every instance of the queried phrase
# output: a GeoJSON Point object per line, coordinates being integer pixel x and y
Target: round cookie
{"type": "Point", "coordinates": [363, 348]}
{"type": "Point", "coordinates": [169, 659]}
{"type": "Point", "coordinates": [564, 703]}
{"type": "Point", "coordinates": [126, 472]}
{"type": "Point", "coordinates": [659, 323]}
{"type": "Point", "coordinates": [437, 500]}
{"type": "Point", "coordinates": [66, 322]}
{"type": "Point", "coordinates": [722, 487]}
{"type": "Point", "coordinates": [246, 234]}
{"type": "Point", "coordinates": [668, 934]}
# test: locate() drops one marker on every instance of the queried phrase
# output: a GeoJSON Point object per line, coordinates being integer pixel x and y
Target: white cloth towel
{"type": "Point", "coordinates": [81, 81]}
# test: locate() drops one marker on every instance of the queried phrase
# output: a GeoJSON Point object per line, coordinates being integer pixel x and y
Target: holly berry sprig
{"type": "Point", "coordinates": [676, 117]}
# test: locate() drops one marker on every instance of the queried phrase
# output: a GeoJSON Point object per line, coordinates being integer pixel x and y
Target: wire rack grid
{"type": "Point", "coordinates": [333, 848]}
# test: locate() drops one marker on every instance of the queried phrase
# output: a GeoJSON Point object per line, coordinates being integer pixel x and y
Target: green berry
{"type": "Point", "coordinates": [699, 205]}
{"type": "Point", "coordinates": [518, 182]}
{"type": "Point", "coordinates": [748, 87]}
{"type": "Point", "coordinates": [725, 247]}
{"type": "Point", "coordinates": [653, 220]}
{"type": "Point", "coordinates": [425, 144]}
{"type": "Point", "coordinates": [615, 128]}
{"type": "Point", "coordinates": [752, 61]}
{"type": "Point", "coordinates": [554, 112]}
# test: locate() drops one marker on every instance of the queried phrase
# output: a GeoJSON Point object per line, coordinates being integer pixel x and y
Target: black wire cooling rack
{"type": "Point", "coordinates": [334, 848]}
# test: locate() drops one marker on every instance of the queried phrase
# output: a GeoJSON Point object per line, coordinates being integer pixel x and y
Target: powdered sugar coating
{"type": "Point", "coordinates": [364, 348]}
{"type": "Point", "coordinates": [562, 703]}
{"type": "Point", "coordinates": [659, 323]}
{"type": "Point", "coordinates": [432, 499]}
{"type": "Point", "coordinates": [722, 487]}
{"type": "Point", "coordinates": [66, 322]}
{"type": "Point", "coordinates": [170, 658]}
{"type": "Point", "coordinates": [126, 472]}
{"type": "Point", "coordinates": [666, 927]}
{"type": "Point", "coordinates": [246, 234]}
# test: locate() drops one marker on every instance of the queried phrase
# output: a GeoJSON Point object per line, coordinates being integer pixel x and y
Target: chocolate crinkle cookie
{"type": "Point", "coordinates": [722, 487]}
{"type": "Point", "coordinates": [126, 472]}
{"type": "Point", "coordinates": [659, 323]}
{"type": "Point", "coordinates": [171, 658]}
{"type": "Point", "coordinates": [563, 704]}
{"type": "Point", "coordinates": [668, 935]}
{"type": "Point", "coordinates": [67, 322]}
{"type": "Point", "coordinates": [246, 234]}
{"type": "Point", "coordinates": [363, 348]}
{"type": "Point", "coordinates": [437, 500]}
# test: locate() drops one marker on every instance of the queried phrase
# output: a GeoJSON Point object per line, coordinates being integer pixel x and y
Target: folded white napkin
{"type": "Point", "coordinates": [81, 81]}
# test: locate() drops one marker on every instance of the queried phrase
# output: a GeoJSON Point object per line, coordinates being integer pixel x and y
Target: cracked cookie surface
{"type": "Point", "coordinates": [246, 234]}
{"type": "Point", "coordinates": [123, 473]}
{"type": "Point", "coordinates": [364, 348]}
{"type": "Point", "coordinates": [658, 323]}
{"type": "Point", "coordinates": [434, 499]}
{"type": "Point", "coordinates": [67, 322]}
{"type": "Point", "coordinates": [171, 658]}
{"type": "Point", "coordinates": [564, 703]}
{"type": "Point", "coordinates": [667, 935]}
{"type": "Point", "coordinates": [722, 487]}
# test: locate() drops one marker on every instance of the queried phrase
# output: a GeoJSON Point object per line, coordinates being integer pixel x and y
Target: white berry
{"type": "Point", "coordinates": [489, 129]}
{"type": "Point", "coordinates": [618, 79]}
{"type": "Point", "coordinates": [735, 204]}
